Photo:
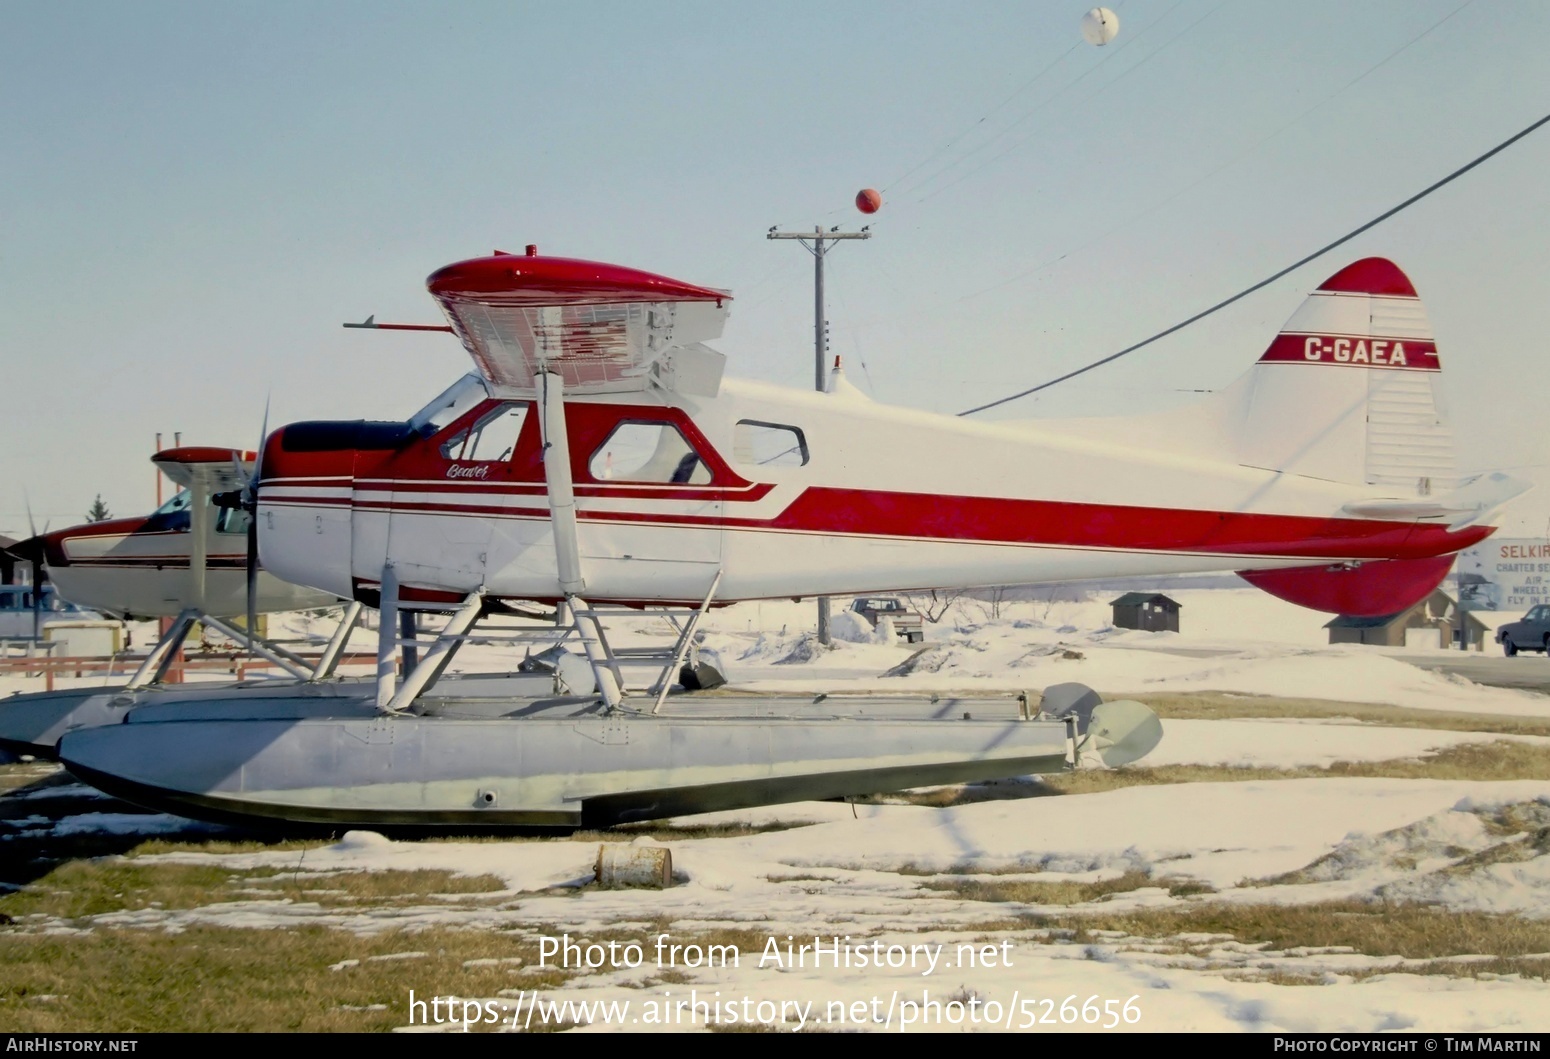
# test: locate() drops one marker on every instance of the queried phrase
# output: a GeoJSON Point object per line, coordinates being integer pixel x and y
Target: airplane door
{"type": "Point", "coordinates": [442, 519]}
{"type": "Point", "coordinates": [649, 507]}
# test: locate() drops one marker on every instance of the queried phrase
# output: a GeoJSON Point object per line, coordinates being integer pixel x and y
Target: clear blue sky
{"type": "Point", "coordinates": [196, 195]}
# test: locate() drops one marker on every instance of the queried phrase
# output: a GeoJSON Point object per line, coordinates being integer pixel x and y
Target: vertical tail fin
{"type": "Point", "coordinates": [1348, 391]}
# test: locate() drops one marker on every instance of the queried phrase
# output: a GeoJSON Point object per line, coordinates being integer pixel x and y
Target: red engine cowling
{"type": "Point", "coordinates": [1371, 589]}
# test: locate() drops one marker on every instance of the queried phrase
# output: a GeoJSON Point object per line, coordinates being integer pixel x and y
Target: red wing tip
{"type": "Point", "coordinates": [202, 454]}
{"type": "Point", "coordinates": [558, 280]}
{"type": "Point", "coordinates": [1371, 275]}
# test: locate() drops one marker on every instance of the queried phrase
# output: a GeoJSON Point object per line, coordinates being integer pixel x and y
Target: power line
{"type": "Point", "coordinates": [1346, 238]}
{"type": "Point", "coordinates": [1040, 128]}
{"type": "Point", "coordinates": [1144, 214]}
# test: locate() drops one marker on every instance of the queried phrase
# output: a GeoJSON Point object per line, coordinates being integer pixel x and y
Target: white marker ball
{"type": "Point", "coordinates": [1099, 26]}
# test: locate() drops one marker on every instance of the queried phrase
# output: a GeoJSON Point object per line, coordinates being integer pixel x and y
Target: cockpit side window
{"type": "Point", "coordinates": [491, 439]}
{"type": "Point", "coordinates": [648, 452]}
{"type": "Point", "coordinates": [171, 517]}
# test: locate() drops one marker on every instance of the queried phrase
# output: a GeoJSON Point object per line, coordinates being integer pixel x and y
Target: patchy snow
{"type": "Point", "coordinates": [1295, 743]}
{"type": "Point", "coordinates": [1214, 833]}
{"type": "Point", "coordinates": [840, 880]}
{"type": "Point", "coordinates": [883, 874]}
{"type": "Point", "coordinates": [1237, 640]}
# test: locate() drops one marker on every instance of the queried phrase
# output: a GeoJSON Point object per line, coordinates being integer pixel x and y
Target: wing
{"type": "Point", "coordinates": [605, 328]}
{"type": "Point", "coordinates": [218, 469]}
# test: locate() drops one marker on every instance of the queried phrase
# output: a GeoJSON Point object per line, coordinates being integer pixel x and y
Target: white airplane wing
{"type": "Point", "coordinates": [605, 328]}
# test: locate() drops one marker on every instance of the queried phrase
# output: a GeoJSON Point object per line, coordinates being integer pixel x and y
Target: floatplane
{"type": "Point", "coordinates": [195, 561]}
{"type": "Point", "coordinates": [598, 460]}
{"type": "Point", "coordinates": [187, 561]}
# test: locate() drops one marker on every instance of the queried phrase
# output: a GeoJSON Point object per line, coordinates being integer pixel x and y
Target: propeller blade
{"type": "Point", "coordinates": [32, 527]}
{"type": "Point", "coordinates": [258, 458]}
{"type": "Point", "coordinates": [38, 577]}
{"type": "Point", "coordinates": [240, 472]}
{"type": "Point", "coordinates": [250, 495]}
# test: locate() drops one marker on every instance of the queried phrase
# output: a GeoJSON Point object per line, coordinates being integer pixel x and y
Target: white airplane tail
{"type": "Point", "coordinates": [1348, 391]}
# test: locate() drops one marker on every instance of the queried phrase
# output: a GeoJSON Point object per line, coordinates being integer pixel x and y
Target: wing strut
{"type": "Point", "coordinates": [199, 539]}
{"type": "Point", "coordinates": [567, 549]}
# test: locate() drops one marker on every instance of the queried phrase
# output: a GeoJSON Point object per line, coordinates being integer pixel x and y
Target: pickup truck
{"type": "Point", "coordinates": [906, 623]}
{"type": "Point", "coordinates": [1531, 633]}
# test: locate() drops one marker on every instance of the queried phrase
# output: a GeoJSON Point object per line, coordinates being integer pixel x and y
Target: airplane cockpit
{"type": "Point", "coordinates": [171, 517]}
{"type": "Point", "coordinates": [175, 517]}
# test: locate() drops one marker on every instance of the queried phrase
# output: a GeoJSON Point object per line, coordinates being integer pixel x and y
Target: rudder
{"type": "Point", "coordinates": [1347, 391]}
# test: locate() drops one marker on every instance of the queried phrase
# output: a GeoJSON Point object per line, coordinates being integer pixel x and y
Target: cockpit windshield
{"type": "Point", "coordinates": [171, 517]}
{"type": "Point", "coordinates": [449, 404]}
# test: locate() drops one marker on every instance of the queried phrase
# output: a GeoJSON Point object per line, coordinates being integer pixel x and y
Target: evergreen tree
{"type": "Point", "coordinates": [99, 511]}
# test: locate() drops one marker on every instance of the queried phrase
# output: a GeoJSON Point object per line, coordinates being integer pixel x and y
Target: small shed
{"type": "Point", "coordinates": [1151, 611]}
{"type": "Point", "coordinates": [1436, 621]}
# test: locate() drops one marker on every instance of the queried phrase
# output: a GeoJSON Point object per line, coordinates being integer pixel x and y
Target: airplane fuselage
{"type": "Point", "coordinates": [793, 493]}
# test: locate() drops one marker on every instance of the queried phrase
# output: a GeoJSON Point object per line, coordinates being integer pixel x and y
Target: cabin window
{"type": "Point", "coordinates": [232, 520]}
{"type": "Point", "coordinates": [492, 438]}
{"type": "Point", "coordinates": [648, 452]}
{"type": "Point", "coordinates": [768, 444]}
{"type": "Point", "coordinates": [171, 517]}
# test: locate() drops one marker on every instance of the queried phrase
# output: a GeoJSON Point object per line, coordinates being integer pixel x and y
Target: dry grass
{"type": "Point", "coordinates": [1412, 931]}
{"type": "Point", "coordinates": [1061, 892]}
{"type": "Point", "coordinates": [215, 980]}
{"type": "Point", "coordinates": [1500, 760]}
{"type": "Point", "coordinates": [945, 797]}
{"type": "Point", "coordinates": [1217, 705]}
{"type": "Point", "coordinates": [81, 888]}
{"type": "Point", "coordinates": [154, 846]}
{"type": "Point", "coordinates": [28, 774]}
{"type": "Point", "coordinates": [212, 979]}
{"type": "Point", "coordinates": [380, 888]}
{"type": "Point", "coordinates": [1524, 967]}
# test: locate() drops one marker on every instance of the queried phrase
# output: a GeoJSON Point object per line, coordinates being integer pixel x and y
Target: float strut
{"type": "Point", "coordinates": [328, 661]}
{"type": "Point", "coordinates": [685, 639]}
{"type": "Point", "coordinates": [155, 665]}
{"type": "Point", "coordinates": [387, 638]}
{"type": "Point", "coordinates": [417, 679]}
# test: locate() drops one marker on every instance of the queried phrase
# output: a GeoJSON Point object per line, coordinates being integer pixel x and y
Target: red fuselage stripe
{"type": "Point", "coordinates": [997, 520]}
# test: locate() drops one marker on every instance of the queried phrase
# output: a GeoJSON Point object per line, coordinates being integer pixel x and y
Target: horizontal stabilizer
{"type": "Point", "coordinates": [1364, 590]}
{"type": "Point", "coordinates": [1475, 501]}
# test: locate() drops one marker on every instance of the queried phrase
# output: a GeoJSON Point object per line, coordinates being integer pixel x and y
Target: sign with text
{"type": "Point", "coordinates": [1505, 574]}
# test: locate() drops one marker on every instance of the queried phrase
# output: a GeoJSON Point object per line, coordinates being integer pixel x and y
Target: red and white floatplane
{"type": "Point", "coordinates": [597, 459]}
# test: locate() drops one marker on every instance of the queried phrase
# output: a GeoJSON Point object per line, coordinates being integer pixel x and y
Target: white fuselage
{"type": "Point", "coordinates": [888, 499]}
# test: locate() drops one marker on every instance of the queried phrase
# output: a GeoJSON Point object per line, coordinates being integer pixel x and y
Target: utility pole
{"type": "Point", "coordinates": [817, 243]}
